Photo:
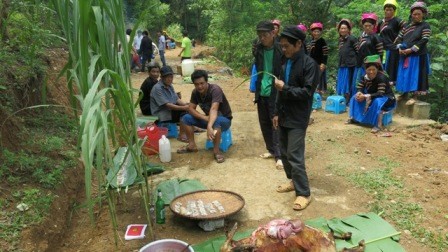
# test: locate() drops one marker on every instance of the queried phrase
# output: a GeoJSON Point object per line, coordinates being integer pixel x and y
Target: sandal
{"type": "Point", "coordinates": [183, 139]}
{"type": "Point", "coordinates": [266, 155]}
{"type": "Point", "coordinates": [410, 102]}
{"type": "Point", "coordinates": [301, 202]}
{"type": "Point", "coordinates": [375, 130]}
{"type": "Point", "coordinates": [350, 121]}
{"type": "Point", "coordinates": [219, 158]}
{"type": "Point", "coordinates": [199, 130]}
{"type": "Point", "coordinates": [279, 164]}
{"type": "Point", "coordinates": [285, 187]}
{"type": "Point", "coordinates": [186, 149]}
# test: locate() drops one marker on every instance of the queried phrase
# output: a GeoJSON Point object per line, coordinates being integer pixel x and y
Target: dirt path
{"type": "Point", "coordinates": [332, 148]}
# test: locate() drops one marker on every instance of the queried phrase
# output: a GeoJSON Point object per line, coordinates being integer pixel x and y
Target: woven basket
{"type": "Point", "coordinates": [230, 201]}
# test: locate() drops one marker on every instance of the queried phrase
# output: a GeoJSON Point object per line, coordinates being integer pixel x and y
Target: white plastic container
{"type": "Point", "coordinates": [164, 149]}
{"type": "Point", "coordinates": [187, 67]}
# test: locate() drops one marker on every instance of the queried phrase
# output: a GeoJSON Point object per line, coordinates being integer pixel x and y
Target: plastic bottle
{"type": "Point", "coordinates": [164, 149]}
{"type": "Point", "coordinates": [160, 208]}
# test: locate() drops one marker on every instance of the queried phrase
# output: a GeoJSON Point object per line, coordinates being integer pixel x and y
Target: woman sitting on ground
{"type": "Point", "coordinates": [374, 96]}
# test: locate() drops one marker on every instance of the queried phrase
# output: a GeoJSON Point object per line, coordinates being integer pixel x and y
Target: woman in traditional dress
{"type": "Point", "coordinates": [389, 27]}
{"type": "Point", "coordinates": [318, 50]}
{"type": "Point", "coordinates": [369, 43]}
{"type": "Point", "coordinates": [347, 59]}
{"type": "Point", "coordinates": [413, 68]}
{"type": "Point", "coordinates": [374, 96]}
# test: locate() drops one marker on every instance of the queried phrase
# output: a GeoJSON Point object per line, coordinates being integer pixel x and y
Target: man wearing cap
{"type": "Point", "coordinates": [296, 86]}
{"type": "Point", "coordinates": [268, 58]}
{"type": "Point", "coordinates": [165, 103]}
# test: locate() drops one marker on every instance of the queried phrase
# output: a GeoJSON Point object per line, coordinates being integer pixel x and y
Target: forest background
{"type": "Point", "coordinates": [28, 28]}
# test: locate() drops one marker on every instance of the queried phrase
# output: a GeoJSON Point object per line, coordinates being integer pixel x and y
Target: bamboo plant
{"type": "Point", "coordinates": [98, 74]}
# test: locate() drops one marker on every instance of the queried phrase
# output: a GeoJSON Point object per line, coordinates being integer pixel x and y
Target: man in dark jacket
{"type": "Point", "coordinates": [268, 55]}
{"type": "Point", "coordinates": [145, 50]}
{"type": "Point", "coordinates": [296, 86]}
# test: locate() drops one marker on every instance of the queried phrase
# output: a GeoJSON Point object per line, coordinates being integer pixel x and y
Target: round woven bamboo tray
{"type": "Point", "coordinates": [231, 203]}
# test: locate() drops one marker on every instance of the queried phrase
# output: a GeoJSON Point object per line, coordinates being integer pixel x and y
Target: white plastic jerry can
{"type": "Point", "coordinates": [164, 149]}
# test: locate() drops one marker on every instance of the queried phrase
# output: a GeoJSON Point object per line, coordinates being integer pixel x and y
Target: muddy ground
{"type": "Point", "coordinates": [331, 145]}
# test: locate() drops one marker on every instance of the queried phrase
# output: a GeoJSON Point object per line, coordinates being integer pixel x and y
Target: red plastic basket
{"type": "Point", "coordinates": [153, 134]}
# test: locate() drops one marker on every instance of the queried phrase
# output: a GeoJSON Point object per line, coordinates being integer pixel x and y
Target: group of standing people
{"type": "Point", "coordinates": [389, 52]}
{"type": "Point", "coordinates": [399, 56]}
{"type": "Point", "coordinates": [143, 49]}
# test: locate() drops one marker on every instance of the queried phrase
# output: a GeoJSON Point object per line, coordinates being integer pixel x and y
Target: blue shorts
{"type": "Point", "coordinates": [221, 122]}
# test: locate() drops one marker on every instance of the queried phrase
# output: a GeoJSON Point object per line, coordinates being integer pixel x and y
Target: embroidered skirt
{"type": "Point", "coordinates": [413, 72]}
{"type": "Point", "coordinates": [370, 116]}
{"type": "Point", "coordinates": [345, 80]}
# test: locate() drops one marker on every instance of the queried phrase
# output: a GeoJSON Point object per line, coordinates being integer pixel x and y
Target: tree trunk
{"type": "Point", "coordinates": [4, 10]}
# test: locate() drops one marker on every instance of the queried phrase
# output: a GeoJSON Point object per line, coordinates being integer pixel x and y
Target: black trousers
{"type": "Point", "coordinates": [270, 135]}
{"type": "Point", "coordinates": [292, 146]}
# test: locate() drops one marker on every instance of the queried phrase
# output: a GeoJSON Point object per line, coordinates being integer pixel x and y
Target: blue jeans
{"type": "Point", "coordinates": [221, 122]}
{"type": "Point", "coordinates": [162, 57]}
{"type": "Point", "coordinates": [145, 58]}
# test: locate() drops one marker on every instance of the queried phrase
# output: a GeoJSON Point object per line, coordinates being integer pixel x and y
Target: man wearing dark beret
{"type": "Point", "coordinates": [296, 86]}
{"type": "Point", "coordinates": [268, 58]}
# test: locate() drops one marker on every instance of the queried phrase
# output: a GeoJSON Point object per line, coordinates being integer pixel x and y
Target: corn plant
{"type": "Point", "coordinates": [98, 75]}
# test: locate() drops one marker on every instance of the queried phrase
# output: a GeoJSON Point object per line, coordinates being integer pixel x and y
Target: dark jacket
{"type": "Point", "coordinates": [415, 36]}
{"type": "Point", "coordinates": [377, 87]}
{"type": "Point", "coordinates": [276, 69]}
{"type": "Point", "coordinates": [294, 102]}
{"type": "Point", "coordinates": [318, 50]}
{"type": "Point", "coordinates": [370, 44]}
{"type": "Point", "coordinates": [347, 51]}
{"type": "Point", "coordinates": [146, 46]}
{"type": "Point", "coordinates": [145, 102]}
{"type": "Point", "coordinates": [388, 30]}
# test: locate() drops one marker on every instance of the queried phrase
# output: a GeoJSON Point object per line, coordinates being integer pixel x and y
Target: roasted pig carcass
{"type": "Point", "coordinates": [282, 236]}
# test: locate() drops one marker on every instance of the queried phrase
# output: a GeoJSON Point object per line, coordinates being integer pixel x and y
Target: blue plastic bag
{"type": "Point", "coordinates": [253, 79]}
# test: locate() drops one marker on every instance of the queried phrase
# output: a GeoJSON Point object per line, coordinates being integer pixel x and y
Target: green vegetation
{"type": "Point", "coordinates": [391, 200]}
{"type": "Point", "coordinates": [30, 175]}
{"type": "Point", "coordinates": [100, 76]}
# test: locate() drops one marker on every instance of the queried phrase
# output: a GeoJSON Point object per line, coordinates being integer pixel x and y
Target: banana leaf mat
{"type": "Point", "coordinates": [377, 233]}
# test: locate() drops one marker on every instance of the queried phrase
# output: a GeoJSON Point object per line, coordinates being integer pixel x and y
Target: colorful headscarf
{"type": "Point", "coordinates": [302, 27]}
{"type": "Point", "coordinates": [392, 3]}
{"type": "Point", "coordinates": [419, 5]}
{"type": "Point", "coordinates": [317, 25]}
{"type": "Point", "coordinates": [373, 60]}
{"type": "Point", "coordinates": [366, 16]}
{"type": "Point", "coordinates": [346, 22]}
{"type": "Point", "coordinates": [276, 22]}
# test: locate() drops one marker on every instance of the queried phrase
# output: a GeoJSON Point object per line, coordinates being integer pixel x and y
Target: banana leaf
{"type": "Point", "coordinates": [174, 187]}
{"type": "Point", "coordinates": [215, 244]}
{"type": "Point", "coordinates": [123, 173]}
{"type": "Point", "coordinates": [378, 234]}
{"type": "Point", "coordinates": [142, 121]}
{"type": "Point", "coordinates": [128, 175]}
